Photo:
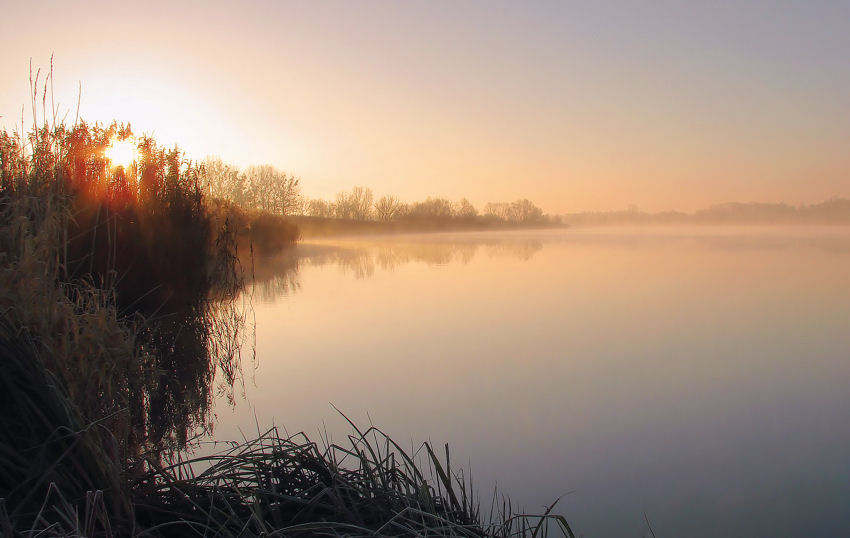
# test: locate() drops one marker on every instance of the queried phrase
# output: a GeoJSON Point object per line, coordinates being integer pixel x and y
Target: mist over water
{"type": "Point", "coordinates": [698, 375]}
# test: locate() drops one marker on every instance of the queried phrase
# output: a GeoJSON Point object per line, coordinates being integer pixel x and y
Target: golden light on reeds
{"type": "Point", "coordinates": [122, 152]}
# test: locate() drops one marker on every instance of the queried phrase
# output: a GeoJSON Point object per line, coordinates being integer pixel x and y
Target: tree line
{"type": "Point", "coordinates": [262, 187]}
{"type": "Point", "coordinates": [268, 189]}
{"type": "Point", "coordinates": [359, 204]}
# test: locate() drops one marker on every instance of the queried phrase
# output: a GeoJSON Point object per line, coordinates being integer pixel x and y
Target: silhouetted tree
{"type": "Point", "coordinates": [319, 208]}
{"type": "Point", "coordinates": [356, 204]}
{"type": "Point", "coordinates": [525, 212]}
{"type": "Point", "coordinates": [258, 187]}
{"type": "Point", "coordinates": [220, 179]}
{"type": "Point", "coordinates": [498, 210]}
{"type": "Point", "coordinates": [465, 209]}
{"type": "Point", "coordinates": [432, 209]}
{"type": "Point", "coordinates": [388, 208]}
{"type": "Point", "coordinates": [272, 190]}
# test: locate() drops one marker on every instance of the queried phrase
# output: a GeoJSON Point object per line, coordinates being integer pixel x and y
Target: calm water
{"type": "Point", "coordinates": [700, 376]}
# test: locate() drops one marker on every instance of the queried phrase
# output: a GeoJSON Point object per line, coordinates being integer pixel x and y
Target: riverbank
{"type": "Point", "coordinates": [118, 310]}
{"type": "Point", "coordinates": [322, 227]}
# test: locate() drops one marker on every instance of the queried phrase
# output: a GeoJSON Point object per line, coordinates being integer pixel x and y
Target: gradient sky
{"type": "Point", "coordinates": [575, 105]}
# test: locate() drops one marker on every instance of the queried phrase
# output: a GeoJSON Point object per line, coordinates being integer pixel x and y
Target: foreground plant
{"type": "Point", "coordinates": [116, 289]}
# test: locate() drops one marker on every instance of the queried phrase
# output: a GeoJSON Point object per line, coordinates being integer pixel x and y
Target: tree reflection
{"type": "Point", "coordinates": [278, 276]}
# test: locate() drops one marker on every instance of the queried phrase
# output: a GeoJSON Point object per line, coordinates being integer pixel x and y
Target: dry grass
{"type": "Point", "coordinates": [124, 279]}
{"type": "Point", "coordinates": [286, 486]}
{"type": "Point", "coordinates": [116, 312]}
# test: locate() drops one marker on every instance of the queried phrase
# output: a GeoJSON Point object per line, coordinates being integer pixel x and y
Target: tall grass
{"type": "Point", "coordinates": [47, 448]}
{"type": "Point", "coordinates": [271, 486]}
{"type": "Point", "coordinates": [125, 275]}
{"type": "Point", "coordinates": [287, 486]}
{"type": "Point", "coordinates": [71, 482]}
{"type": "Point", "coordinates": [116, 314]}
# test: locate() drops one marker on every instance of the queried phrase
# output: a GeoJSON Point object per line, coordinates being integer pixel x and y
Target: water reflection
{"type": "Point", "coordinates": [698, 375]}
{"type": "Point", "coordinates": [278, 276]}
{"type": "Point", "coordinates": [173, 274]}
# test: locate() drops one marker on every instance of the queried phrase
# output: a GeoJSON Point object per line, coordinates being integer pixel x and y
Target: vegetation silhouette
{"type": "Point", "coordinates": [354, 212]}
{"type": "Point", "coordinates": [141, 243]}
{"type": "Point", "coordinates": [117, 313]}
{"type": "Point", "coordinates": [274, 192]}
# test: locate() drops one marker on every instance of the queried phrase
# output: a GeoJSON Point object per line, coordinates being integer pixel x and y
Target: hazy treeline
{"type": "Point", "coordinates": [268, 189]}
{"type": "Point", "coordinates": [272, 191]}
{"type": "Point", "coordinates": [113, 283]}
{"type": "Point", "coordinates": [260, 187]}
{"type": "Point", "coordinates": [123, 274]}
{"type": "Point", "coordinates": [832, 211]}
{"type": "Point", "coordinates": [119, 275]}
{"type": "Point", "coordinates": [359, 204]}
{"type": "Point", "coordinates": [117, 316]}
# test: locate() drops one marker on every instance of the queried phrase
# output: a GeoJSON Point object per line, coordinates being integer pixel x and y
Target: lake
{"type": "Point", "coordinates": [697, 377]}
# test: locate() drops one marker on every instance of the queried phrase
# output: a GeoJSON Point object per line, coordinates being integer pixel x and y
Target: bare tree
{"type": "Point", "coordinates": [361, 198]}
{"type": "Point", "coordinates": [499, 210]}
{"type": "Point", "coordinates": [343, 208]}
{"type": "Point", "coordinates": [525, 211]}
{"type": "Point", "coordinates": [356, 204]}
{"type": "Point", "coordinates": [220, 179]}
{"type": "Point", "coordinates": [272, 190]}
{"type": "Point", "coordinates": [520, 211]}
{"type": "Point", "coordinates": [433, 208]}
{"type": "Point", "coordinates": [465, 209]}
{"type": "Point", "coordinates": [319, 208]}
{"type": "Point", "coordinates": [388, 208]}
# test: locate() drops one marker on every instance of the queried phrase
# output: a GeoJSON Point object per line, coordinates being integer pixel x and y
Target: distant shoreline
{"type": "Point", "coordinates": [832, 212]}
{"type": "Point", "coordinates": [326, 227]}
{"type": "Point", "coordinates": [317, 227]}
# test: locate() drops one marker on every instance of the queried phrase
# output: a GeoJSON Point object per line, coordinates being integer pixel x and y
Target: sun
{"type": "Point", "coordinates": [122, 152]}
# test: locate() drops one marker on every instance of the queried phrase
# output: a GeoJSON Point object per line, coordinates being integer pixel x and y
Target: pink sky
{"type": "Point", "coordinates": [667, 105]}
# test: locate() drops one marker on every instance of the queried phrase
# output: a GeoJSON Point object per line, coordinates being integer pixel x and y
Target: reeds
{"type": "Point", "coordinates": [114, 318]}
{"type": "Point", "coordinates": [288, 485]}
{"type": "Point", "coordinates": [50, 458]}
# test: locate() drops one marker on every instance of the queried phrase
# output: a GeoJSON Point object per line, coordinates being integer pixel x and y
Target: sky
{"type": "Point", "coordinates": [574, 105]}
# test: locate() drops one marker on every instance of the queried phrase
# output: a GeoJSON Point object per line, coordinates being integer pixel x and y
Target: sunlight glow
{"type": "Point", "coordinates": [122, 152]}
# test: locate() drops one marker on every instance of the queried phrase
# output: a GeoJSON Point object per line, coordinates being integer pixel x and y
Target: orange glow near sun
{"type": "Point", "coordinates": [122, 152]}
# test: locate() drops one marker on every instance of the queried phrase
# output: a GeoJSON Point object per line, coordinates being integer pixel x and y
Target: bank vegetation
{"type": "Point", "coordinates": [120, 322]}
